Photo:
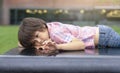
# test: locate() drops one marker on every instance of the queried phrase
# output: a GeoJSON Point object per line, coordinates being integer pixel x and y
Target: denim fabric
{"type": "Point", "coordinates": [108, 38]}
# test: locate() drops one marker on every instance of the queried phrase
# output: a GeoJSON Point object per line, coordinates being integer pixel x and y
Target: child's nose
{"type": "Point", "coordinates": [37, 47]}
{"type": "Point", "coordinates": [39, 40]}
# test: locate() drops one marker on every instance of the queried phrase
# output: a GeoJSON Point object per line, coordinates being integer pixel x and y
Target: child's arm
{"type": "Point", "coordinates": [75, 44]}
{"type": "Point", "coordinates": [50, 48]}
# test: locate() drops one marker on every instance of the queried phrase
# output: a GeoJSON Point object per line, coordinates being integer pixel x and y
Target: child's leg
{"type": "Point", "coordinates": [108, 37]}
{"type": "Point", "coordinates": [114, 40]}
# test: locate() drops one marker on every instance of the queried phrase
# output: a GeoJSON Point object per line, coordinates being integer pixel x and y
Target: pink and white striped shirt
{"type": "Point", "coordinates": [64, 33]}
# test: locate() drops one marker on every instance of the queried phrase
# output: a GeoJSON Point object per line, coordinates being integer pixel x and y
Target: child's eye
{"type": "Point", "coordinates": [36, 36]}
{"type": "Point", "coordinates": [40, 48]}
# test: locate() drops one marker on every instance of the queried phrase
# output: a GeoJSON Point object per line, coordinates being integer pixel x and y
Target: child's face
{"type": "Point", "coordinates": [41, 45]}
{"type": "Point", "coordinates": [40, 37]}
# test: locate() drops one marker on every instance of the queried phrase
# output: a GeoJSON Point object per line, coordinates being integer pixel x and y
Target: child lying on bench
{"type": "Point", "coordinates": [48, 38]}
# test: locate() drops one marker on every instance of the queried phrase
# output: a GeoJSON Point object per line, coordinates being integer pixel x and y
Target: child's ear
{"type": "Point", "coordinates": [44, 26]}
{"type": "Point", "coordinates": [44, 29]}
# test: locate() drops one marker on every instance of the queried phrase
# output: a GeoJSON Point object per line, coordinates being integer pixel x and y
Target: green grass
{"type": "Point", "coordinates": [116, 28]}
{"type": "Point", "coordinates": [9, 40]}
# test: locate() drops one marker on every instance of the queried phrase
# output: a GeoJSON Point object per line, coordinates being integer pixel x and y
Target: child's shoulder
{"type": "Point", "coordinates": [54, 23]}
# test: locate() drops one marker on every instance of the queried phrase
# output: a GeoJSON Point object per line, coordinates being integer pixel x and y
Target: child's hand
{"type": "Point", "coordinates": [48, 48]}
{"type": "Point", "coordinates": [47, 42]}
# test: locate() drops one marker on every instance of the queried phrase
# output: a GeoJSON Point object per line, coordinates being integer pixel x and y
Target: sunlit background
{"type": "Point", "coordinates": [77, 12]}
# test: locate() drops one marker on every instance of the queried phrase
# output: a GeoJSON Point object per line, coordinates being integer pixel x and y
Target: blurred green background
{"type": "Point", "coordinates": [8, 38]}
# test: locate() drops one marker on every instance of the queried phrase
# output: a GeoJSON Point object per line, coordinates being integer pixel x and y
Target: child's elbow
{"type": "Point", "coordinates": [83, 46]}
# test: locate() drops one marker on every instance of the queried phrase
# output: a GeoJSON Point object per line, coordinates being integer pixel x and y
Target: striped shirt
{"type": "Point", "coordinates": [64, 33]}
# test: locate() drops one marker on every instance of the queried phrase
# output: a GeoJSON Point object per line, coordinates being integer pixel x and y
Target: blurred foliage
{"type": "Point", "coordinates": [8, 38]}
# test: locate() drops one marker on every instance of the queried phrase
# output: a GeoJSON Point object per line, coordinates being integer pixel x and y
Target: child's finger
{"type": "Point", "coordinates": [48, 42]}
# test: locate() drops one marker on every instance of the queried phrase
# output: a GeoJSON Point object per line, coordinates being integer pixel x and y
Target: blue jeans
{"type": "Point", "coordinates": [108, 38]}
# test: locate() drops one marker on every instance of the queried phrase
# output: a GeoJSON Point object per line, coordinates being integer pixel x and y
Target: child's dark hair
{"type": "Point", "coordinates": [27, 29]}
